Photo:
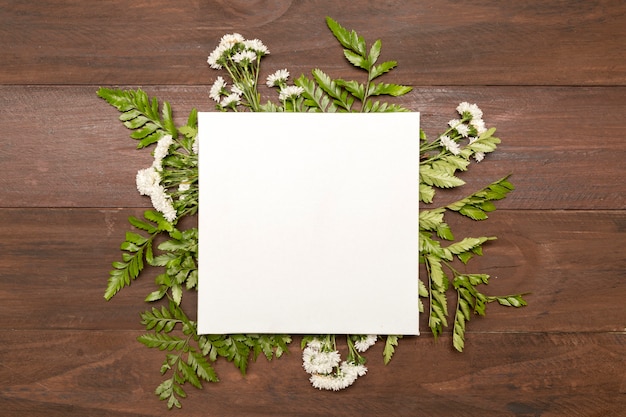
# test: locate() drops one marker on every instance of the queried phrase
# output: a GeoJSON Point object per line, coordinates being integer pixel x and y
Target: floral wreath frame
{"type": "Point", "coordinates": [171, 183]}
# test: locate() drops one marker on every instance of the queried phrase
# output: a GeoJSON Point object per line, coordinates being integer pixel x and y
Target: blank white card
{"type": "Point", "coordinates": [308, 223]}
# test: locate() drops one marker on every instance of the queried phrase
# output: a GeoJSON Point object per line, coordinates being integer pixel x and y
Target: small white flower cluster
{"type": "Point", "coordinates": [365, 342]}
{"type": "Point", "coordinates": [222, 96]}
{"type": "Point", "coordinates": [237, 55]}
{"type": "Point", "coordinates": [319, 360]}
{"type": "Point", "coordinates": [278, 79]}
{"type": "Point", "coordinates": [470, 126]}
{"type": "Point", "coordinates": [148, 181]}
{"type": "Point", "coordinates": [235, 47]}
{"type": "Point", "coordinates": [287, 92]}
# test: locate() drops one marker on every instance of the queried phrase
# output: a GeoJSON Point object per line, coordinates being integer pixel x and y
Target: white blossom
{"type": "Point", "coordinates": [277, 78]}
{"type": "Point", "coordinates": [231, 39]}
{"type": "Point", "coordinates": [365, 343]}
{"type": "Point", "coordinates": [148, 183]}
{"type": "Point", "coordinates": [352, 368]}
{"type": "Point", "coordinates": [161, 151]}
{"type": "Point", "coordinates": [479, 156]}
{"type": "Point", "coordinates": [236, 90]}
{"type": "Point", "coordinates": [256, 46]}
{"type": "Point", "coordinates": [162, 202]}
{"type": "Point", "coordinates": [194, 145]}
{"type": "Point", "coordinates": [291, 91]}
{"type": "Point", "coordinates": [460, 127]}
{"type": "Point", "coordinates": [317, 361]}
{"type": "Point", "coordinates": [472, 110]}
{"type": "Point", "coordinates": [244, 57]}
{"type": "Point", "coordinates": [332, 382]}
{"type": "Point", "coordinates": [347, 374]}
{"type": "Point", "coordinates": [216, 89]}
{"type": "Point", "coordinates": [147, 180]}
{"type": "Point", "coordinates": [479, 125]}
{"type": "Point", "coordinates": [232, 99]}
{"type": "Point", "coordinates": [216, 56]}
{"type": "Point", "coordinates": [315, 344]}
{"type": "Point", "coordinates": [450, 144]}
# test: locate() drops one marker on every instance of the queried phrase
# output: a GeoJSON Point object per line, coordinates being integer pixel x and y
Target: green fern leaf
{"type": "Point", "coordinates": [389, 350]}
{"type": "Point", "coordinates": [438, 178]}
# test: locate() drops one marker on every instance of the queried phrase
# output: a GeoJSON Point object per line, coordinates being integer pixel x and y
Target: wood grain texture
{"type": "Point", "coordinates": [544, 131]}
{"type": "Point", "coordinates": [523, 374]}
{"type": "Point", "coordinates": [550, 75]}
{"type": "Point", "coordinates": [448, 42]}
{"type": "Point", "coordinates": [564, 259]}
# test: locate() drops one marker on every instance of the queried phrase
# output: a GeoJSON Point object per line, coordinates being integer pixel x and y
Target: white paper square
{"type": "Point", "coordinates": [308, 223]}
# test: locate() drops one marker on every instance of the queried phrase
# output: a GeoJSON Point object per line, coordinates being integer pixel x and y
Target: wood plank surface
{"type": "Point", "coordinates": [95, 161]}
{"type": "Point", "coordinates": [512, 374]}
{"type": "Point", "coordinates": [563, 258]}
{"type": "Point", "coordinates": [550, 75]}
{"type": "Point", "coordinates": [439, 43]}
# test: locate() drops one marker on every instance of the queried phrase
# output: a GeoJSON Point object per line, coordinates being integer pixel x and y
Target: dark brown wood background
{"type": "Point", "coordinates": [550, 75]}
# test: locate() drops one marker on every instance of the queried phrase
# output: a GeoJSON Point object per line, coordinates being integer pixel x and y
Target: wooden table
{"type": "Point", "coordinates": [550, 75]}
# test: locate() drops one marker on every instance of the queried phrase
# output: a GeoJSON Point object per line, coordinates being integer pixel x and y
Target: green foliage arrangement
{"type": "Point", "coordinates": [172, 185]}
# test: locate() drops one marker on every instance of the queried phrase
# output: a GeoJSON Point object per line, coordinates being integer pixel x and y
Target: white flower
{"type": "Point", "coordinates": [332, 382]}
{"type": "Point", "coordinates": [147, 180]}
{"type": "Point", "coordinates": [184, 186]}
{"type": "Point", "coordinates": [257, 46]}
{"type": "Point", "coordinates": [162, 202]}
{"type": "Point", "coordinates": [216, 56]}
{"type": "Point", "coordinates": [291, 91]}
{"type": "Point", "coordinates": [231, 39]}
{"type": "Point", "coordinates": [460, 127]}
{"type": "Point", "coordinates": [148, 183]}
{"type": "Point", "coordinates": [217, 88]}
{"type": "Point", "coordinates": [479, 156]}
{"type": "Point", "coordinates": [315, 344]}
{"type": "Point", "coordinates": [236, 90]}
{"type": "Point", "coordinates": [244, 57]}
{"type": "Point", "coordinates": [194, 146]}
{"type": "Point", "coordinates": [161, 150]}
{"type": "Point", "coordinates": [365, 343]}
{"type": "Point", "coordinates": [231, 100]}
{"type": "Point", "coordinates": [315, 361]}
{"type": "Point", "coordinates": [352, 368]}
{"type": "Point", "coordinates": [277, 78]}
{"type": "Point", "coordinates": [347, 374]}
{"type": "Point", "coordinates": [479, 125]}
{"type": "Point", "coordinates": [450, 145]}
{"type": "Point", "coordinates": [472, 110]}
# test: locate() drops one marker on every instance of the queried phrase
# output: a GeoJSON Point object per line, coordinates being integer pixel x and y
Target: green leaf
{"type": "Point", "coordinates": [379, 70]}
{"type": "Point", "coordinates": [390, 344]}
{"type": "Point", "coordinates": [156, 295]}
{"type": "Point", "coordinates": [141, 114]}
{"type": "Point", "coordinates": [356, 59]}
{"type": "Point", "coordinates": [467, 244]}
{"type": "Point", "coordinates": [509, 300]}
{"type": "Point", "coordinates": [438, 178]}
{"type": "Point", "coordinates": [202, 367]}
{"type": "Point", "coordinates": [347, 39]}
{"type": "Point", "coordinates": [426, 193]}
{"type": "Point", "coordinates": [136, 123]}
{"type": "Point", "coordinates": [162, 341]}
{"type": "Point", "coordinates": [163, 224]}
{"type": "Point", "coordinates": [431, 219]}
{"type": "Point", "coordinates": [340, 96]}
{"type": "Point", "coordinates": [389, 89]}
{"type": "Point", "coordinates": [165, 391]}
{"type": "Point", "coordinates": [315, 96]}
{"type": "Point", "coordinates": [142, 225]}
{"type": "Point", "coordinates": [354, 87]}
